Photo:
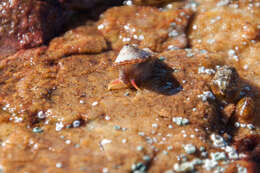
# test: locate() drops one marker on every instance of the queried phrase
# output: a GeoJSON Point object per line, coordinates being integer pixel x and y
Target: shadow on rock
{"type": "Point", "coordinates": [162, 80]}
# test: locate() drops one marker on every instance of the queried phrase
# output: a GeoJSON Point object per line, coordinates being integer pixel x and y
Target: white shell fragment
{"type": "Point", "coordinates": [129, 53]}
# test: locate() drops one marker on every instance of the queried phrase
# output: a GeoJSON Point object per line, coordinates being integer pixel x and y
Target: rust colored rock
{"type": "Point", "coordinates": [236, 166]}
{"type": "Point", "coordinates": [87, 4]}
{"type": "Point", "coordinates": [228, 112]}
{"type": "Point", "coordinates": [250, 145]}
{"type": "Point", "coordinates": [151, 2]}
{"type": "Point", "coordinates": [25, 24]}
{"type": "Point", "coordinates": [147, 27]}
{"type": "Point", "coordinates": [83, 39]}
{"type": "Point", "coordinates": [56, 114]}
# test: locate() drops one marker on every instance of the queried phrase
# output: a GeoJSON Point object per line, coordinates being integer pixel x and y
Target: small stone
{"type": "Point", "coordinates": [139, 168]}
{"type": "Point", "coordinates": [197, 161]}
{"type": "Point", "coordinates": [146, 158]}
{"type": "Point", "coordinates": [107, 117]}
{"type": "Point", "coordinates": [169, 148]}
{"type": "Point", "coordinates": [218, 141]}
{"type": "Point", "coordinates": [204, 154]}
{"type": "Point", "coordinates": [202, 148]}
{"type": "Point", "coordinates": [237, 124]}
{"type": "Point", "coordinates": [154, 125]}
{"type": "Point", "coordinates": [101, 26]}
{"type": "Point", "coordinates": [76, 123]}
{"type": "Point", "coordinates": [165, 152]}
{"type": "Point", "coordinates": [116, 127]}
{"type": "Point", "coordinates": [250, 126]}
{"type": "Point", "coordinates": [203, 70]}
{"type": "Point", "coordinates": [105, 141]}
{"type": "Point", "coordinates": [218, 156]}
{"type": "Point", "coordinates": [141, 133]}
{"type": "Point", "coordinates": [94, 103]}
{"type": "Point", "coordinates": [187, 166]}
{"type": "Point", "coordinates": [104, 170]}
{"type": "Point", "coordinates": [126, 94]}
{"type": "Point", "coordinates": [242, 125]}
{"type": "Point", "coordinates": [190, 149]}
{"type": "Point", "coordinates": [180, 121]}
{"type": "Point", "coordinates": [77, 145]}
{"type": "Point", "coordinates": [37, 130]}
{"type": "Point", "coordinates": [241, 169]}
{"type": "Point", "coordinates": [59, 165]}
{"type": "Point", "coordinates": [219, 169]}
{"type": "Point", "coordinates": [209, 164]}
{"type": "Point", "coordinates": [232, 153]}
{"type": "Point", "coordinates": [162, 58]}
{"type": "Point", "coordinates": [41, 115]}
{"type": "Point", "coordinates": [183, 167]}
{"type": "Point", "coordinates": [139, 148]}
{"type": "Point", "coordinates": [68, 141]}
{"type": "Point", "coordinates": [183, 158]}
{"type": "Point", "coordinates": [206, 95]}
{"type": "Point", "coordinates": [173, 33]}
{"type": "Point", "coordinates": [59, 126]}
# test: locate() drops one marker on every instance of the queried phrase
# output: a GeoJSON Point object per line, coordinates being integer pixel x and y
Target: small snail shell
{"type": "Point", "coordinates": [131, 55]}
{"type": "Point", "coordinates": [224, 85]}
{"type": "Point", "coordinates": [134, 65]}
{"type": "Point", "coordinates": [245, 109]}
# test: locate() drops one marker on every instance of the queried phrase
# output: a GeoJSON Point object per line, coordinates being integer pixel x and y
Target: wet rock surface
{"type": "Point", "coordinates": [26, 24]}
{"type": "Point", "coordinates": [57, 114]}
{"type": "Point", "coordinates": [78, 41]}
{"type": "Point", "coordinates": [52, 96]}
{"type": "Point", "coordinates": [207, 32]}
{"type": "Point", "coordinates": [145, 26]}
{"type": "Point", "coordinates": [31, 23]}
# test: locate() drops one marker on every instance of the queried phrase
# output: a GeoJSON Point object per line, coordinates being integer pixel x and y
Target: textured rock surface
{"type": "Point", "coordinates": [147, 27]}
{"type": "Point", "coordinates": [58, 116]}
{"type": "Point", "coordinates": [29, 23]}
{"type": "Point", "coordinates": [87, 4]}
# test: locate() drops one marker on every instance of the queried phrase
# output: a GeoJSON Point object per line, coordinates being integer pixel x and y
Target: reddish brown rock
{"type": "Point", "coordinates": [88, 4]}
{"type": "Point", "coordinates": [250, 146]}
{"type": "Point", "coordinates": [25, 24]}
{"type": "Point", "coordinates": [58, 116]}
{"type": "Point", "coordinates": [151, 2]}
{"type": "Point", "coordinates": [147, 27]}
{"type": "Point", "coordinates": [83, 39]}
